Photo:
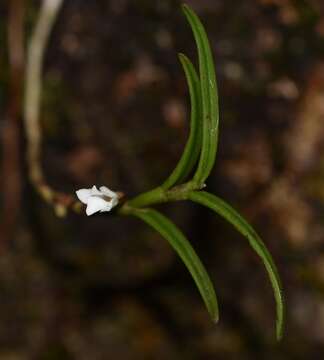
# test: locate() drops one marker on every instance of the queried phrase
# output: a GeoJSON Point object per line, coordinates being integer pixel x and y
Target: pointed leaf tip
{"type": "Point", "coordinates": [209, 95]}
{"type": "Point", "coordinates": [232, 216]}
{"type": "Point", "coordinates": [188, 255]}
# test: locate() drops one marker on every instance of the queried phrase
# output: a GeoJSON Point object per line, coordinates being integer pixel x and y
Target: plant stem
{"type": "Point", "coordinates": [158, 196]}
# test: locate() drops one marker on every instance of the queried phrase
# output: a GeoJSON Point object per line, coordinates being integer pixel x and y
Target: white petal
{"type": "Point", "coordinates": [107, 207]}
{"type": "Point", "coordinates": [83, 195]}
{"type": "Point", "coordinates": [107, 192]}
{"type": "Point", "coordinates": [95, 191]}
{"type": "Point", "coordinates": [114, 202]}
{"type": "Point", "coordinates": [95, 204]}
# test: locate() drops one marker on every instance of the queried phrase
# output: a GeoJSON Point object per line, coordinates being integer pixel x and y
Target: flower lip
{"type": "Point", "coordinates": [102, 200]}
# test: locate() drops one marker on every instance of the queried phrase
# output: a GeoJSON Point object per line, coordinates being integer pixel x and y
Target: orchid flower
{"type": "Point", "coordinates": [101, 200]}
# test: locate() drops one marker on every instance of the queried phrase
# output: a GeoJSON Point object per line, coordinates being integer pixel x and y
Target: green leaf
{"type": "Point", "coordinates": [192, 149]}
{"type": "Point", "coordinates": [226, 211]}
{"type": "Point", "coordinates": [183, 248]}
{"type": "Point", "coordinates": [209, 95]}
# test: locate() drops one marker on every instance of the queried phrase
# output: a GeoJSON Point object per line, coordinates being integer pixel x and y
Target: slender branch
{"type": "Point", "coordinates": [35, 58]}
{"type": "Point", "coordinates": [37, 48]}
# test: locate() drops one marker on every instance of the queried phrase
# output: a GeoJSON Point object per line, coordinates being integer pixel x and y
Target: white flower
{"type": "Point", "coordinates": [97, 200]}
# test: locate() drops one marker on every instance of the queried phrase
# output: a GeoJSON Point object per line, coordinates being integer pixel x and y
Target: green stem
{"type": "Point", "coordinates": [158, 196]}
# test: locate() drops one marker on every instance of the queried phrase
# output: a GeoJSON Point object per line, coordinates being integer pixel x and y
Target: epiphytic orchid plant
{"type": "Point", "coordinates": [185, 182]}
{"type": "Point", "coordinates": [198, 159]}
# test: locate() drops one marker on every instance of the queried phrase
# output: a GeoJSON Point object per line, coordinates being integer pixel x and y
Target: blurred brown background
{"type": "Point", "coordinates": [115, 112]}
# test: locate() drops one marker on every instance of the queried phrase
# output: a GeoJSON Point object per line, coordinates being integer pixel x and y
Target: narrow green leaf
{"type": "Point", "coordinates": [183, 248]}
{"type": "Point", "coordinates": [226, 211]}
{"type": "Point", "coordinates": [209, 94]}
{"type": "Point", "coordinates": [192, 149]}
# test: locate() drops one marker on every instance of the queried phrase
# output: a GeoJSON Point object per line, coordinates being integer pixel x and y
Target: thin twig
{"type": "Point", "coordinates": [35, 59]}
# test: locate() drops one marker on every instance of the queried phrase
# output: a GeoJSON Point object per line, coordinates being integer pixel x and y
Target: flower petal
{"type": "Point", "coordinates": [107, 192]}
{"type": "Point", "coordinates": [108, 206]}
{"type": "Point", "coordinates": [83, 195]}
{"type": "Point", "coordinates": [114, 202]}
{"type": "Point", "coordinates": [95, 191]}
{"type": "Point", "coordinates": [95, 204]}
